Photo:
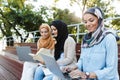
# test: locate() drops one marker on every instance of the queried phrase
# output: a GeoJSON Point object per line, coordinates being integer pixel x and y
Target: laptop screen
{"type": "Point", "coordinates": [51, 63]}
{"type": "Point", "coordinates": [23, 53]}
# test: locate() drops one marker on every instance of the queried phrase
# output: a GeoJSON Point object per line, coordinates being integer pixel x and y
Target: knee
{"type": "Point", "coordinates": [39, 71]}
{"type": "Point", "coordinates": [39, 74]}
{"type": "Point", "coordinates": [50, 77]}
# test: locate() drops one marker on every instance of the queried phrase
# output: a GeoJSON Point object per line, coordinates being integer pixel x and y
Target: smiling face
{"type": "Point", "coordinates": [44, 33]}
{"type": "Point", "coordinates": [54, 31]}
{"type": "Point", "coordinates": [90, 21]}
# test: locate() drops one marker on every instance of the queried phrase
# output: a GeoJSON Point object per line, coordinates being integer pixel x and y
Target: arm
{"type": "Point", "coordinates": [38, 44]}
{"type": "Point", "coordinates": [109, 71]}
{"type": "Point", "coordinates": [69, 52]}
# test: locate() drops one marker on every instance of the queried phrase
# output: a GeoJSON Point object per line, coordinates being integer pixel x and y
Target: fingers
{"type": "Point", "coordinates": [83, 75]}
{"type": "Point", "coordinates": [67, 69]}
{"type": "Point", "coordinates": [77, 73]}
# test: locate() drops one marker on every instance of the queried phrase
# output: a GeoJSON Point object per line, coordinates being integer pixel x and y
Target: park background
{"type": "Point", "coordinates": [20, 19]}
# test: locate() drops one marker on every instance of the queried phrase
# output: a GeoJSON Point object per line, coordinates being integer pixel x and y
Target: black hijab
{"type": "Point", "coordinates": [61, 37]}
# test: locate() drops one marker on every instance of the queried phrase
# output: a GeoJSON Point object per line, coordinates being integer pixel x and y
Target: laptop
{"type": "Point", "coordinates": [52, 65]}
{"type": "Point", "coordinates": [23, 53]}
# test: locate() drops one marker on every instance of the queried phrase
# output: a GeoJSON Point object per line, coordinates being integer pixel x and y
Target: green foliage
{"type": "Point", "coordinates": [28, 20]}
{"type": "Point", "coordinates": [116, 23]}
{"type": "Point", "coordinates": [15, 15]}
{"type": "Point", "coordinates": [108, 11]}
{"type": "Point", "coordinates": [65, 15]}
{"type": "Point", "coordinates": [73, 30]}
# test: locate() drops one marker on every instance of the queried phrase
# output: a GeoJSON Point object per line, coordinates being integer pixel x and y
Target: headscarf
{"type": "Point", "coordinates": [93, 38]}
{"type": "Point", "coordinates": [47, 43]}
{"type": "Point", "coordinates": [61, 37]}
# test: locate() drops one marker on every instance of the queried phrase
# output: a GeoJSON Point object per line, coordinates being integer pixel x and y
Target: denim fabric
{"type": "Point", "coordinates": [50, 77]}
{"type": "Point", "coordinates": [101, 59]}
{"type": "Point", "coordinates": [39, 74]}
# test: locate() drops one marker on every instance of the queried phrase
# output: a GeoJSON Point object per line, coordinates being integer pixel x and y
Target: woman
{"type": "Point", "coordinates": [45, 41]}
{"type": "Point", "coordinates": [64, 53]}
{"type": "Point", "coordinates": [99, 55]}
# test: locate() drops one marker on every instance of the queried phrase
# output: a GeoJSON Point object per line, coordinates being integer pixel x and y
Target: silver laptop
{"type": "Point", "coordinates": [23, 53]}
{"type": "Point", "coordinates": [52, 65]}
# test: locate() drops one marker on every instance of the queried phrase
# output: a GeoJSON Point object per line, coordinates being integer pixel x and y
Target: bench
{"type": "Point", "coordinates": [15, 67]}
{"type": "Point", "coordinates": [10, 69]}
{"type": "Point", "coordinates": [12, 49]}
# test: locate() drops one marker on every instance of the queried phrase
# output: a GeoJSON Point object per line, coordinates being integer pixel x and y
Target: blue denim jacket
{"type": "Point", "coordinates": [101, 59]}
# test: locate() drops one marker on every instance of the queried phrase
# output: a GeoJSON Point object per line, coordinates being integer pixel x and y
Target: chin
{"type": "Point", "coordinates": [54, 36]}
{"type": "Point", "coordinates": [90, 31]}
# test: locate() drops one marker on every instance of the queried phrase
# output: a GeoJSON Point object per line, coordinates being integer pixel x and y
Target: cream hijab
{"type": "Point", "coordinates": [94, 38]}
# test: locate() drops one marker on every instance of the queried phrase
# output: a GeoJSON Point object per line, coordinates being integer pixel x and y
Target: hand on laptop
{"type": "Point", "coordinates": [77, 74]}
{"type": "Point", "coordinates": [68, 69]}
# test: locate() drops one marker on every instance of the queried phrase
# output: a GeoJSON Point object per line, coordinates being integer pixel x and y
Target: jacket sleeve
{"type": "Point", "coordinates": [109, 71]}
{"type": "Point", "coordinates": [69, 52]}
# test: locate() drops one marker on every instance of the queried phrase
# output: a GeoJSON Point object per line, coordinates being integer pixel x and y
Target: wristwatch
{"type": "Point", "coordinates": [87, 74]}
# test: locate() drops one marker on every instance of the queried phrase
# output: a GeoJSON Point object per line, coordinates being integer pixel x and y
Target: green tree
{"type": "Point", "coordinates": [108, 11]}
{"type": "Point", "coordinates": [15, 15]}
{"type": "Point", "coordinates": [7, 16]}
{"type": "Point", "coordinates": [65, 15]}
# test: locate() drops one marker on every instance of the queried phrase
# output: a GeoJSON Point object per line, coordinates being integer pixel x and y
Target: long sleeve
{"type": "Point", "coordinates": [101, 59]}
{"type": "Point", "coordinates": [69, 52]}
{"type": "Point", "coordinates": [110, 69]}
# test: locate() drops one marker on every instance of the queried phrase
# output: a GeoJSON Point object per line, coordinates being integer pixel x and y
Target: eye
{"type": "Point", "coordinates": [84, 22]}
{"type": "Point", "coordinates": [91, 20]}
{"type": "Point", "coordinates": [46, 32]}
{"type": "Point", "coordinates": [54, 29]}
{"type": "Point", "coordinates": [41, 32]}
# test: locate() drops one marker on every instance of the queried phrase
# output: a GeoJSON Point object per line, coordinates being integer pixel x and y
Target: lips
{"type": "Point", "coordinates": [90, 28]}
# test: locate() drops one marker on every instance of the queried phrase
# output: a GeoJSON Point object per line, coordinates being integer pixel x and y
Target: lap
{"type": "Point", "coordinates": [28, 70]}
{"type": "Point", "coordinates": [48, 77]}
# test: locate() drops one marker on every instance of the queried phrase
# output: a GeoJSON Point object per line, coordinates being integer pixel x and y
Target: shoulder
{"type": "Point", "coordinates": [69, 43]}
{"type": "Point", "coordinates": [110, 39]}
{"type": "Point", "coordinates": [39, 39]}
{"type": "Point", "coordinates": [69, 39]}
{"type": "Point", "coordinates": [110, 36]}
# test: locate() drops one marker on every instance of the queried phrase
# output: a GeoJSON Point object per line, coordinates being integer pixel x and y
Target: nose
{"type": "Point", "coordinates": [52, 33]}
{"type": "Point", "coordinates": [87, 24]}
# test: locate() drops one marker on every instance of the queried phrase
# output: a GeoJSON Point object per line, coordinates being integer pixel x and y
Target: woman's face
{"type": "Point", "coordinates": [44, 33]}
{"type": "Point", "coordinates": [90, 21]}
{"type": "Point", "coordinates": [54, 31]}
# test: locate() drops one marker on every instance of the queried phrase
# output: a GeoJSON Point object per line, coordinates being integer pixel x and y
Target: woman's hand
{"type": "Point", "coordinates": [68, 69]}
{"type": "Point", "coordinates": [92, 75]}
{"type": "Point", "coordinates": [42, 62]}
{"type": "Point", "coordinates": [77, 73]}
